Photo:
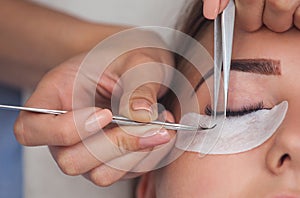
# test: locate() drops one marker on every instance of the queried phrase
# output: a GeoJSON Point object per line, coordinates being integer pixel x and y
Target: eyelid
{"type": "Point", "coordinates": [234, 113]}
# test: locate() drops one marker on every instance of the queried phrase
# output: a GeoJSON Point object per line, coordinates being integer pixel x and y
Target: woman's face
{"type": "Point", "coordinates": [271, 170]}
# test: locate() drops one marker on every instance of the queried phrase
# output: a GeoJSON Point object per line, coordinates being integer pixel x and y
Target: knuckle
{"type": "Point", "coordinates": [19, 132]}
{"type": "Point", "coordinates": [251, 27]}
{"type": "Point", "coordinates": [278, 28]}
{"type": "Point", "coordinates": [103, 182]}
{"type": "Point", "coordinates": [123, 142]}
{"type": "Point", "coordinates": [121, 146]}
{"type": "Point", "coordinates": [137, 57]}
{"type": "Point", "coordinates": [67, 163]}
{"type": "Point", "coordinates": [282, 5]}
{"type": "Point", "coordinates": [126, 144]}
{"type": "Point", "coordinates": [101, 177]}
{"type": "Point", "coordinates": [65, 135]}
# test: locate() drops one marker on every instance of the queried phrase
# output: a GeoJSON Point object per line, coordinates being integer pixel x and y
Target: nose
{"type": "Point", "coordinates": [284, 154]}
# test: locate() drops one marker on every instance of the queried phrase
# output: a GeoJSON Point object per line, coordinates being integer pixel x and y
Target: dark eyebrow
{"type": "Point", "coordinates": [256, 66]}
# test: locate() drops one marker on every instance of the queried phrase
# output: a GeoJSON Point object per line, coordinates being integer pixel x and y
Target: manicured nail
{"type": "Point", "coordinates": [211, 9]}
{"type": "Point", "coordinates": [159, 138]}
{"type": "Point", "coordinates": [98, 120]}
{"type": "Point", "coordinates": [142, 104]}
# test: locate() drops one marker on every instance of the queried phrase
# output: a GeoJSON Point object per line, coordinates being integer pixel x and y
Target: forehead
{"type": "Point", "coordinates": [267, 44]}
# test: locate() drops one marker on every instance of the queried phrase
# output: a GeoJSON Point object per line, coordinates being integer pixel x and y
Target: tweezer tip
{"type": "Point", "coordinates": [207, 128]}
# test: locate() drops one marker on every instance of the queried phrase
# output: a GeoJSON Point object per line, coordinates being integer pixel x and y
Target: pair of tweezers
{"type": "Point", "coordinates": [223, 38]}
{"type": "Point", "coordinates": [120, 120]}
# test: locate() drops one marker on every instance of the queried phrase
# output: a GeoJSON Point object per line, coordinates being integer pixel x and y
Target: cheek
{"type": "Point", "coordinates": [211, 176]}
{"type": "Point", "coordinates": [197, 177]}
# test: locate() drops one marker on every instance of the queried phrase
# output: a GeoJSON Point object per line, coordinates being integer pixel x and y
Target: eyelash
{"type": "Point", "coordinates": [243, 111]}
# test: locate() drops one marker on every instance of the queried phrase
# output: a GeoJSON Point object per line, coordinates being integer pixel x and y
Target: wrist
{"type": "Point", "coordinates": [87, 35]}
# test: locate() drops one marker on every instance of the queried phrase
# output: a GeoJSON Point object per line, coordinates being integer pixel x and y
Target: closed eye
{"type": "Point", "coordinates": [240, 112]}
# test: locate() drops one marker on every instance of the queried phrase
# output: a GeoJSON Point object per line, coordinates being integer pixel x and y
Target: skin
{"type": "Point", "coordinates": [258, 172]}
{"type": "Point", "coordinates": [54, 41]}
{"type": "Point", "coordinates": [34, 39]}
{"type": "Point", "coordinates": [277, 15]}
{"type": "Point", "coordinates": [64, 135]}
{"type": "Point", "coordinates": [54, 44]}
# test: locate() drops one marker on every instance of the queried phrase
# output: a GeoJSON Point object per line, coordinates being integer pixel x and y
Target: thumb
{"type": "Point", "coordinates": [141, 103]}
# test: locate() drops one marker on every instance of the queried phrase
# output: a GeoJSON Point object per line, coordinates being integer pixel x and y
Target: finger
{"type": "Point", "coordinates": [137, 163]}
{"type": "Point", "coordinates": [103, 147]}
{"type": "Point", "coordinates": [211, 8]}
{"type": "Point", "coordinates": [156, 158]}
{"type": "Point", "coordinates": [141, 105]}
{"type": "Point", "coordinates": [139, 100]}
{"type": "Point", "coordinates": [144, 80]}
{"type": "Point", "coordinates": [116, 169]}
{"type": "Point", "coordinates": [249, 14]}
{"type": "Point", "coordinates": [104, 176]}
{"type": "Point", "coordinates": [108, 85]}
{"type": "Point", "coordinates": [297, 18]}
{"type": "Point", "coordinates": [34, 129]}
{"type": "Point", "coordinates": [278, 15]}
{"type": "Point", "coordinates": [69, 159]}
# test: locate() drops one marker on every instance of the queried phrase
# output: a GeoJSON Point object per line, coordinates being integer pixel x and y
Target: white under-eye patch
{"type": "Point", "coordinates": [233, 134]}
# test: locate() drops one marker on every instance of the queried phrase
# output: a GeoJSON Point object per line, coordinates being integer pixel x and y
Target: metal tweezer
{"type": "Point", "coordinates": [223, 38]}
{"type": "Point", "coordinates": [116, 119]}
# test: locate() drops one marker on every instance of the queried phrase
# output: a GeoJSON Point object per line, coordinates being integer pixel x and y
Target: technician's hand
{"type": "Point", "coordinates": [74, 138]}
{"type": "Point", "coordinates": [278, 16]}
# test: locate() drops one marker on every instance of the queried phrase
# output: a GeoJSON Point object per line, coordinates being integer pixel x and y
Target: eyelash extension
{"type": "Point", "coordinates": [243, 111]}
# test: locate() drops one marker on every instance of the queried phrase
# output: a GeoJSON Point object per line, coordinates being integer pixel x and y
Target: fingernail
{"type": "Point", "coordinates": [142, 104]}
{"type": "Point", "coordinates": [161, 137]}
{"type": "Point", "coordinates": [98, 120]}
{"type": "Point", "coordinates": [211, 9]}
